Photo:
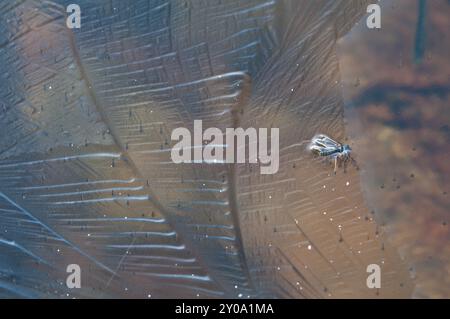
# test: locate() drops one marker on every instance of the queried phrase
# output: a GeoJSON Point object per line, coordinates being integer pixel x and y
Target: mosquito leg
{"type": "Point", "coordinates": [335, 165]}
{"type": "Point", "coordinates": [354, 162]}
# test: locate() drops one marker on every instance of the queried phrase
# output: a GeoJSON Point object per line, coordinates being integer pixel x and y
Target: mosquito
{"type": "Point", "coordinates": [325, 146]}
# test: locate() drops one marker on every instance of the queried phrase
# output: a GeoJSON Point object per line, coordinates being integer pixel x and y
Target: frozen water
{"type": "Point", "coordinates": [86, 178]}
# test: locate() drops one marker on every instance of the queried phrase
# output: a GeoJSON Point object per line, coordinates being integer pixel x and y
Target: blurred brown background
{"type": "Point", "coordinates": [396, 87]}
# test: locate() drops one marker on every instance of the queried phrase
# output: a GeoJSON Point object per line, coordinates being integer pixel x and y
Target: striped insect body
{"type": "Point", "coordinates": [324, 146]}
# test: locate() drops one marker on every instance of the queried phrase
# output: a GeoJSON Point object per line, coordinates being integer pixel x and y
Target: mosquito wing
{"type": "Point", "coordinates": [323, 144]}
{"type": "Point", "coordinates": [326, 141]}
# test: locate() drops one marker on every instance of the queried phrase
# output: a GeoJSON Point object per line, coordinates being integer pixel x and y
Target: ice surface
{"type": "Point", "coordinates": [85, 171]}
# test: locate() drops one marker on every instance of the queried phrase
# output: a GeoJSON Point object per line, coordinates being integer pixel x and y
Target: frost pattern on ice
{"type": "Point", "coordinates": [85, 170]}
